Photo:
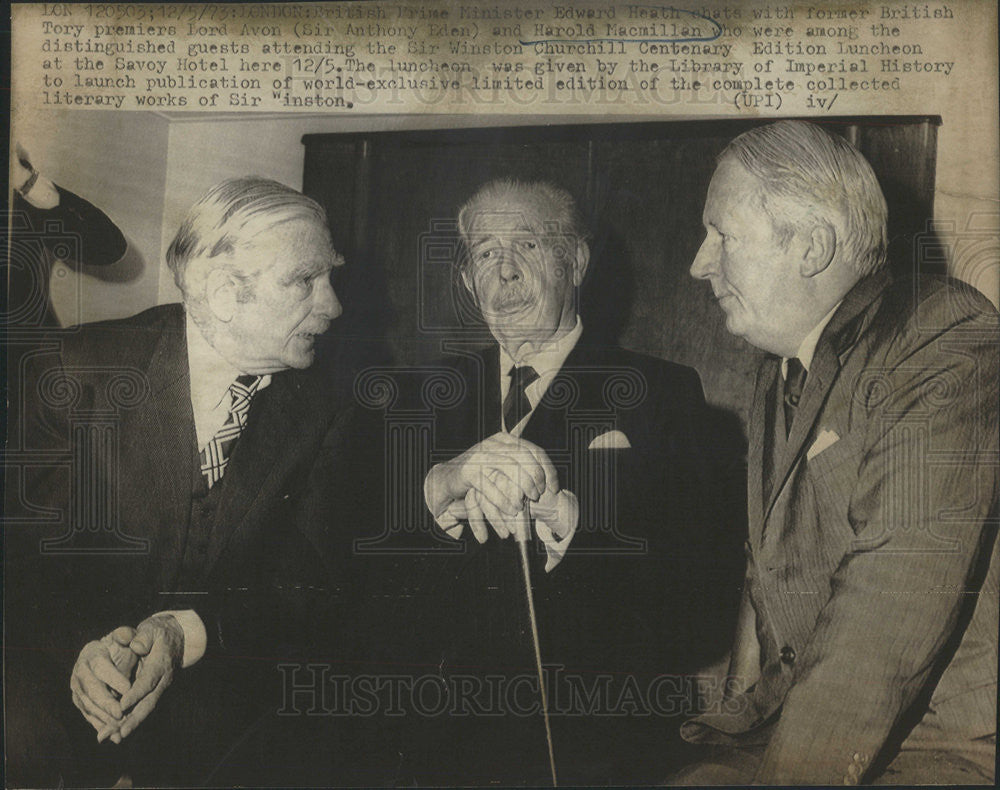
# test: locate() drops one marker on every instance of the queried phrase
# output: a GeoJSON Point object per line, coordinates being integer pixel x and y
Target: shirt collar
{"type": "Point", "coordinates": [807, 348]}
{"type": "Point", "coordinates": [548, 357]}
{"type": "Point", "coordinates": [210, 373]}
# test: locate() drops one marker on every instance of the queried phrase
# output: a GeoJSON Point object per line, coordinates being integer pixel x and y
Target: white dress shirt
{"type": "Point", "coordinates": [210, 376]}
{"type": "Point", "coordinates": [807, 348]}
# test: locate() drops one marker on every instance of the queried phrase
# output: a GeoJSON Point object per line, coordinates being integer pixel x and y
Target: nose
{"type": "Point", "coordinates": [327, 304]}
{"type": "Point", "coordinates": [509, 272]}
{"type": "Point", "coordinates": [705, 261]}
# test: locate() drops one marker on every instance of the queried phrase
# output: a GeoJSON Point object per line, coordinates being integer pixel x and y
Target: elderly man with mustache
{"type": "Point", "coordinates": [554, 420]}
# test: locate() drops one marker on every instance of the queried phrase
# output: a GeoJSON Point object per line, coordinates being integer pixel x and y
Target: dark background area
{"type": "Point", "coordinates": [392, 199]}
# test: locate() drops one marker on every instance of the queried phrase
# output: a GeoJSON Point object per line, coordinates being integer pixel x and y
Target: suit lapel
{"type": "Point", "coordinates": [282, 423]}
{"type": "Point", "coordinates": [822, 373]}
{"type": "Point", "coordinates": [163, 437]}
{"type": "Point", "coordinates": [286, 420]}
{"type": "Point", "coordinates": [759, 446]}
{"type": "Point", "coordinates": [837, 339]}
{"type": "Point", "coordinates": [549, 424]}
{"type": "Point", "coordinates": [490, 419]}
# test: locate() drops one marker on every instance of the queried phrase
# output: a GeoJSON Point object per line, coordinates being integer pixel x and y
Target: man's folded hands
{"type": "Point", "coordinates": [118, 679]}
{"type": "Point", "coordinates": [494, 482]}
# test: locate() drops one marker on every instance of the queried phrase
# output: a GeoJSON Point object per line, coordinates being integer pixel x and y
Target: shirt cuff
{"type": "Point", "coordinates": [42, 194]}
{"type": "Point", "coordinates": [195, 636]}
{"type": "Point", "coordinates": [556, 519]}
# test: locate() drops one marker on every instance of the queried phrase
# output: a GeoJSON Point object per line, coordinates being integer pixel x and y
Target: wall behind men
{"type": "Point", "coordinates": [392, 199]}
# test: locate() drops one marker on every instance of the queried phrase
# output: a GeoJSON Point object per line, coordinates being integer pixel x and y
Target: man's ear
{"type": "Point", "coordinates": [581, 262]}
{"type": "Point", "coordinates": [822, 245]}
{"type": "Point", "coordinates": [220, 294]}
{"type": "Point", "coordinates": [467, 279]}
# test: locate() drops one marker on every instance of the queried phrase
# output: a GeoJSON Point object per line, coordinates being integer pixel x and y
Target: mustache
{"type": "Point", "coordinates": [512, 296]}
{"type": "Point", "coordinates": [316, 330]}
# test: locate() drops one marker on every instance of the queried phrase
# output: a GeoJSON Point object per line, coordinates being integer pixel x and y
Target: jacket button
{"type": "Point", "coordinates": [787, 655]}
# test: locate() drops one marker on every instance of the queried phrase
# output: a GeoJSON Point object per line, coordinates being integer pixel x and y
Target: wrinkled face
{"type": "Point", "coordinates": [753, 275]}
{"type": "Point", "coordinates": [292, 301]}
{"type": "Point", "coordinates": [521, 271]}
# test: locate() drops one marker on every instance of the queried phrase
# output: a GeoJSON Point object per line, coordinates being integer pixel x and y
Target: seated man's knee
{"type": "Point", "coordinates": [719, 766]}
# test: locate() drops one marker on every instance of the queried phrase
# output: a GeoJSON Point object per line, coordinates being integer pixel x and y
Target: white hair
{"type": "Point", "coordinates": [230, 216]}
{"type": "Point", "coordinates": [817, 173]}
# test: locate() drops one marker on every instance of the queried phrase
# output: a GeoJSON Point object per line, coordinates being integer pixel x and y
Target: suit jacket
{"type": "Point", "coordinates": [646, 516]}
{"type": "Point", "coordinates": [870, 543]}
{"type": "Point", "coordinates": [642, 589]}
{"type": "Point", "coordinates": [100, 502]}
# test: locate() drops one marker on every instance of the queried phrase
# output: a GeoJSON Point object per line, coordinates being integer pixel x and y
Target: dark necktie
{"type": "Point", "coordinates": [516, 403]}
{"type": "Point", "coordinates": [215, 456]}
{"type": "Point", "coordinates": [795, 380]}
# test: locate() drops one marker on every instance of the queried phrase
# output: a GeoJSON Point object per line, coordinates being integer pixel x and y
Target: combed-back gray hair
{"type": "Point", "coordinates": [553, 204]}
{"type": "Point", "coordinates": [228, 217]}
{"type": "Point", "coordinates": [816, 172]}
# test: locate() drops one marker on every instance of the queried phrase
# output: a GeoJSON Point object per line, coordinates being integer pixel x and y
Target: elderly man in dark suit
{"type": "Point", "coordinates": [187, 430]}
{"type": "Point", "coordinates": [611, 455]}
{"type": "Point", "coordinates": [867, 645]}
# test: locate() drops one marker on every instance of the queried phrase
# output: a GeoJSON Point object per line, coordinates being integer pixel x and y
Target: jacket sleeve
{"type": "Point", "coordinates": [49, 595]}
{"type": "Point", "coordinates": [926, 483]}
{"type": "Point", "coordinates": [100, 241]}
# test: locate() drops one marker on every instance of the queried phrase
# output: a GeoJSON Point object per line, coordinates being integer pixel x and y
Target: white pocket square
{"type": "Point", "coordinates": [823, 441]}
{"type": "Point", "coordinates": [612, 440]}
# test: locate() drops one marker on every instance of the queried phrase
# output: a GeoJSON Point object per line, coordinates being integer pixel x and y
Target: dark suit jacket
{"type": "Point", "coordinates": [645, 512]}
{"type": "Point", "coordinates": [640, 593]}
{"type": "Point", "coordinates": [99, 507]}
{"type": "Point", "coordinates": [867, 556]}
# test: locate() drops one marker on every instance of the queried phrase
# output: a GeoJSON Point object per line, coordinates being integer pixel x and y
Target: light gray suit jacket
{"type": "Point", "coordinates": [871, 562]}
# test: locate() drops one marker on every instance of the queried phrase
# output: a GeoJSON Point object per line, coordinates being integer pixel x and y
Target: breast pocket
{"type": "Point", "coordinates": [833, 475]}
{"type": "Point", "coordinates": [809, 527]}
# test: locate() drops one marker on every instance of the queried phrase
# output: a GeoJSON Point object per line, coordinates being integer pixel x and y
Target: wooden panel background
{"type": "Point", "coordinates": [392, 199]}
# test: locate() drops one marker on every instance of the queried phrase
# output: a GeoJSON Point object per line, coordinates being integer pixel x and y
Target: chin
{"type": "Point", "coordinates": [734, 325]}
{"type": "Point", "coordinates": [300, 359]}
{"type": "Point", "coordinates": [305, 360]}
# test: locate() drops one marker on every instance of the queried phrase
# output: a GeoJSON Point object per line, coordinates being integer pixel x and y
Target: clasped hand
{"type": "Point", "coordinates": [118, 679]}
{"type": "Point", "coordinates": [495, 482]}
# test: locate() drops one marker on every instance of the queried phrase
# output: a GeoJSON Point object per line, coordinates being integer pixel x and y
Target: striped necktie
{"type": "Point", "coordinates": [215, 455]}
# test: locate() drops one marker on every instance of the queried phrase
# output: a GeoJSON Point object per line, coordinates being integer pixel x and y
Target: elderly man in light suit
{"type": "Point", "coordinates": [867, 645]}
{"type": "Point", "coordinates": [198, 564]}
